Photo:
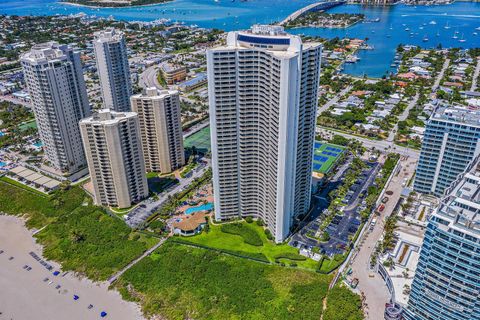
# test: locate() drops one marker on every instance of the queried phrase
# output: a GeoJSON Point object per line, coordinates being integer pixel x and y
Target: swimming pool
{"type": "Point", "coordinates": [2, 164]}
{"type": "Point", "coordinates": [203, 207]}
{"type": "Point", "coordinates": [38, 144]}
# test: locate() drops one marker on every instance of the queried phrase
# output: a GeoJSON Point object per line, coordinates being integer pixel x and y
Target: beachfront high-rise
{"type": "Point", "coordinates": [160, 128]}
{"type": "Point", "coordinates": [115, 158]}
{"type": "Point", "coordinates": [451, 141]}
{"type": "Point", "coordinates": [113, 70]}
{"type": "Point", "coordinates": [447, 280]}
{"type": "Point", "coordinates": [263, 92]}
{"type": "Point", "coordinates": [53, 74]}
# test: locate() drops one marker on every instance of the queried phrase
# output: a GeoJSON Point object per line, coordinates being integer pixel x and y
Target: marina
{"type": "Point", "coordinates": [391, 25]}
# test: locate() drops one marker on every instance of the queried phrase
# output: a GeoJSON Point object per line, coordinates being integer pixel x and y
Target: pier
{"type": "Point", "coordinates": [317, 6]}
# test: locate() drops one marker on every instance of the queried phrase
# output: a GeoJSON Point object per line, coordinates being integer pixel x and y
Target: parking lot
{"type": "Point", "coordinates": [342, 226]}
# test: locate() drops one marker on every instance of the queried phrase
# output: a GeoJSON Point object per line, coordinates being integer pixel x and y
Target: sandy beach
{"type": "Point", "coordinates": [26, 295]}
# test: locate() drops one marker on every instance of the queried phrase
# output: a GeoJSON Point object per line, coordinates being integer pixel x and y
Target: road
{"type": "Point", "coordinates": [141, 213]}
{"type": "Point", "coordinates": [476, 74]}
{"type": "Point", "coordinates": [196, 128]}
{"type": "Point", "coordinates": [381, 145]}
{"type": "Point", "coordinates": [440, 75]}
{"type": "Point", "coordinates": [334, 100]}
{"type": "Point", "coordinates": [15, 100]}
{"type": "Point", "coordinates": [370, 282]}
{"type": "Point", "coordinates": [402, 117]}
{"type": "Point", "coordinates": [117, 275]}
{"type": "Point", "coordinates": [148, 78]}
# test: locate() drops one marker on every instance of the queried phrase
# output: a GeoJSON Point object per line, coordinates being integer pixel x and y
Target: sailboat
{"type": "Point", "coordinates": [433, 22]}
{"type": "Point", "coordinates": [462, 40]}
{"type": "Point", "coordinates": [438, 34]}
{"type": "Point", "coordinates": [447, 26]}
{"type": "Point", "coordinates": [425, 38]}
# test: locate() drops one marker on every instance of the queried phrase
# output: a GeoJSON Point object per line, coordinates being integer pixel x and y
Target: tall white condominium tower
{"type": "Point", "coordinates": [451, 141]}
{"type": "Point", "coordinates": [263, 88]}
{"type": "Point", "coordinates": [53, 74]}
{"type": "Point", "coordinates": [447, 280]}
{"type": "Point", "coordinates": [112, 67]}
{"type": "Point", "coordinates": [160, 128]}
{"type": "Point", "coordinates": [115, 159]}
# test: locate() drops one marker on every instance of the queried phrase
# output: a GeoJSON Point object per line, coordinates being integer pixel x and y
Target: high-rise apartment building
{"type": "Point", "coordinates": [451, 141]}
{"type": "Point", "coordinates": [115, 159]}
{"type": "Point", "coordinates": [447, 279]}
{"type": "Point", "coordinates": [263, 87]}
{"type": "Point", "coordinates": [160, 128]}
{"type": "Point", "coordinates": [54, 78]}
{"type": "Point", "coordinates": [113, 70]}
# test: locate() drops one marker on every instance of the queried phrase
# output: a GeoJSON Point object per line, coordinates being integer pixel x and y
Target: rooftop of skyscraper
{"type": "Point", "coordinates": [44, 51]}
{"type": "Point", "coordinates": [460, 208]}
{"type": "Point", "coordinates": [107, 116]}
{"type": "Point", "coordinates": [109, 34]}
{"type": "Point", "coordinates": [457, 113]}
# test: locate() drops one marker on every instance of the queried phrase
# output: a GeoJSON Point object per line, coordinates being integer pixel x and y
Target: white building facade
{"type": "Point", "coordinates": [53, 74]}
{"type": "Point", "coordinates": [113, 70]}
{"type": "Point", "coordinates": [115, 158]}
{"type": "Point", "coordinates": [263, 95]}
{"type": "Point", "coordinates": [160, 128]}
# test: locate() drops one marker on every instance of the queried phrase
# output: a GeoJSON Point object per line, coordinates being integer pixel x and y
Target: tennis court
{"type": "Point", "coordinates": [325, 156]}
{"type": "Point", "coordinates": [200, 139]}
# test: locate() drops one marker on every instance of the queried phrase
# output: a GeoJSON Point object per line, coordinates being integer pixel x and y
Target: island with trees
{"type": "Point", "coordinates": [325, 20]}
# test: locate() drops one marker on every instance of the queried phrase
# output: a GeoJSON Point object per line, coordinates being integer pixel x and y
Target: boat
{"type": "Point", "coordinates": [389, 36]}
{"type": "Point", "coordinates": [352, 59]}
{"type": "Point", "coordinates": [462, 40]}
{"type": "Point", "coordinates": [475, 33]}
{"type": "Point", "coordinates": [407, 29]}
{"type": "Point", "coordinates": [421, 28]}
{"type": "Point", "coordinates": [425, 38]}
{"type": "Point", "coordinates": [478, 28]}
{"type": "Point", "coordinates": [447, 26]}
{"type": "Point", "coordinates": [433, 22]}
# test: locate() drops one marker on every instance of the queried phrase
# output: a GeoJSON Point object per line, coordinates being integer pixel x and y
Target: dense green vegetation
{"type": "Point", "coordinates": [38, 209]}
{"type": "Point", "coordinates": [90, 242]}
{"type": "Point", "coordinates": [82, 237]}
{"type": "Point", "coordinates": [203, 284]}
{"type": "Point", "coordinates": [343, 304]}
{"type": "Point", "coordinates": [248, 234]}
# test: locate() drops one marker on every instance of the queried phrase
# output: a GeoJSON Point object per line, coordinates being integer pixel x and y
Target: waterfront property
{"type": "Point", "coordinates": [268, 176]}
{"type": "Point", "coordinates": [446, 282]}
{"type": "Point", "coordinates": [451, 141]}
{"type": "Point", "coordinates": [115, 160]}
{"type": "Point", "coordinates": [160, 129]}
{"type": "Point", "coordinates": [112, 68]}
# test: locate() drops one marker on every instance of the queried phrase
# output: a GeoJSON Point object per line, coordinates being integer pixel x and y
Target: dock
{"type": "Point", "coordinates": [317, 6]}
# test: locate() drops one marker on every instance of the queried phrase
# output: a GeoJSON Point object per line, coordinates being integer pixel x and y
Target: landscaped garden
{"type": "Point", "coordinates": [249, 240]}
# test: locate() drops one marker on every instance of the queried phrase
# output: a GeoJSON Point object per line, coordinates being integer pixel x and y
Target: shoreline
{"type": "Point", "coordinates": [111, 7]}
{"type": "Point", "coordinates": [46, 300]}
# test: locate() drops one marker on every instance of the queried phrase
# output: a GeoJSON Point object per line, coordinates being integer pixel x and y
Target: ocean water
{"type": "Point", "coordinates": [423, 21]}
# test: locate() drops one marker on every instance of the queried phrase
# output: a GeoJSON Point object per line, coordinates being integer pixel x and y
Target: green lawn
{"type": "Point", "coordinates": [217, 239]}
{"type": "Point", "coordinates": [182, 282]}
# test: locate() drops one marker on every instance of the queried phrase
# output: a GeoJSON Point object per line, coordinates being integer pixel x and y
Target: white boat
{"type": "Point", "coordinates": [447, 26]}
{"type": "Point", "coordinates": [462, 40]}
{"type": "Point", "coordinates": [433, 22]}
{"type": "Point", "coordinates": [425, 38]}
{"type": "Point", "coordinates": [455, 36]}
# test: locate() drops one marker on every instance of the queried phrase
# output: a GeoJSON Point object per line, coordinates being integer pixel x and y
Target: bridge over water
{"type": "Point", "coordinates": [317, 6]}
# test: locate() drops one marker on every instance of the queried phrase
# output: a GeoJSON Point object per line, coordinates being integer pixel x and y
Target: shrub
{"type": "Point", "coordinates": [290, 256]}
{"type": "Point", "coordinates": [268, 234]}
{"type": "Point", "coordinates": [249, 219]}
{"type": "Point", "coordinates": [260, 222]}
{"type": "Point", "coordinates": [249, 235]}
